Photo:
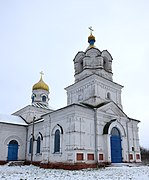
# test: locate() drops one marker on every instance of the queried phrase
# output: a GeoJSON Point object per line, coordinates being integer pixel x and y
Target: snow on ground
{"type": "Point", "coordinates": [109, 173]}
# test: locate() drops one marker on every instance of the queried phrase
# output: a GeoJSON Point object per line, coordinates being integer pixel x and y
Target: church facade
{"type": "Point", "coordinates": [91, 130]}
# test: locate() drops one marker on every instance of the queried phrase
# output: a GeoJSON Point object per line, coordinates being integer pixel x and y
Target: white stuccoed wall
{"type": "Point", "coordinates": [38, 130]}
{"type": "Point", "coordinates": [29, 112]}
{"type": "Point", "coordinates": [10, 132]}
{"type": "Point", "coordinates": [93, 90]}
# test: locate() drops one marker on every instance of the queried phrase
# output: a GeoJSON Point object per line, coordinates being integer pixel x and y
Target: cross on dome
{"type": "Point", "coordinates": [42, 73]}
{"type": "Point", "coordinates": [91, 29]}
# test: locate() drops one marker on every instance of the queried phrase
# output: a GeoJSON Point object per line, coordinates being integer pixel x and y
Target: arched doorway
{"type": "Point", "coordinates": [116, 147]}
{"type": "Point", "coordinates": [13, 151]}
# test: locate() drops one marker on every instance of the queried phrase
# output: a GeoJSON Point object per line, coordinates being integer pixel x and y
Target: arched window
{"type": "Point", "coordinates": [30, 146]}
{"type": "Point", "coordinates": [115, 132]}
{"type": "Point", "coordinates": [33, 98]}
{"type": "Point", "coordinates": [38, 145]}
{"type": "Point", "coordinates": [57, 141]}
{"type": "Point", "coordinates": [105, 64]}
{"type": "Point", "coordinates": [44, 98]}
{"type": "Point", "coordinates": [81, 65]}
{"type": "Point", "coordinates": [108, 95]}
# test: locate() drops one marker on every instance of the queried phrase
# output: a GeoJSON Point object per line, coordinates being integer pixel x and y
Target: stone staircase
{"type": "Point", "coordinates": [15, 163]}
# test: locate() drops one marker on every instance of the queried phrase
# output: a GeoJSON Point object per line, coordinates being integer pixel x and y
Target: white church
{"type": "Point", "coordinates": [92, 130]}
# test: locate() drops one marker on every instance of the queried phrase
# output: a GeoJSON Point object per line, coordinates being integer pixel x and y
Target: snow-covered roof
{"type": "Point", "coordinates": [11, 119]}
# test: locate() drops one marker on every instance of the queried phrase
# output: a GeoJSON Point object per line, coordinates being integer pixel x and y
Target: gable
{"type": "Point", "coordinates": [112, 109]}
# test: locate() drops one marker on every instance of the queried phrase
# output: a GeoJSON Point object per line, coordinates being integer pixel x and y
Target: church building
{"type": "Point", "coordinates": [91, 130]}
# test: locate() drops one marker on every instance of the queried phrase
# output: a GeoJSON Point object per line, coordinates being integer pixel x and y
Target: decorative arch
{"type": "Point", "coordinates": [119, 126]}
{"type": "Point", "coordinates": [114, 123]}
{"type": "Point", "coordinates": [57, 126]}
{"type": "Point", "coordinates": [44, 97]}
{"type": "Point", "coordinates": [57, 134]}
{"type": "Point", "coordinates": [107, 60]}
{"type": "Point", "coordinates": [106, 127]}
{"type": "Point", "coordinates": [39, 138]}
{"type": "Point", "coordinates": [8, 139]}
{"type": "Point", "coordinates": [106, 54]}
{"type": "Point", "coordinates": [41, 135]}
{"type": "Point", "coordinates": [78, 62]}
{"type": "Point", "coordinates": [38, 135]}
{"type": "Point", "coordinates": [115, 132]}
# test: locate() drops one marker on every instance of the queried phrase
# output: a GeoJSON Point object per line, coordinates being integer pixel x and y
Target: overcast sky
{"type": "Point", "coordinates": [46, 35]}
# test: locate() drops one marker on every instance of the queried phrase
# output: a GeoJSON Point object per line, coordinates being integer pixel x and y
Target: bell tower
{"type": "Point", "coordinates": [93, 77]}
{"type": "Point", "coordinates": [93, 61]}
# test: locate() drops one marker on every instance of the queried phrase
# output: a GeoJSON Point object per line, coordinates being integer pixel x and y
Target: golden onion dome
{"type": "Point", "coordinates": [91, 40]}
{"type": "Point", "coordinates": [41, 85]}
{"type": "Point", "coordinates": [91, 37]}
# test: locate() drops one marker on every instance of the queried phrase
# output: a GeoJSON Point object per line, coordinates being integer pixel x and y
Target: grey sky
{"type": "Point", "coordinates": [46, 35]}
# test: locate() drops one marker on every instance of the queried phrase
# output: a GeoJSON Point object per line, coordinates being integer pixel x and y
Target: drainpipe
{"type": "Point", "coordinates": [134, 158]}
{"type": "Point", "coordinates": [32, 146]}
{"type": "Point", "coordinates": [95, 129]}
{"type": "Point", "coordinates": [26, 143]}
{"type": "Point", "coordinates": [128, 140]}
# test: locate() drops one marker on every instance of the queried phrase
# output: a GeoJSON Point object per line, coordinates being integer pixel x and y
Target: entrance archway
{"type": "Point", "coordinates": [116, 147]}
{"type": "Point", "coordinates": [13, 151]}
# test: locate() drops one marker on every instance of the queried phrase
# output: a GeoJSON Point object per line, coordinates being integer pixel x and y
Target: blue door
{"type": "Point", "coordinates": [116, 147]}
{"type": "Point", "coordinates": [13, 151]}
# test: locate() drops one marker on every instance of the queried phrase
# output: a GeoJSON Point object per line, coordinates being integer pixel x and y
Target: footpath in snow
{"type": "Point", "coordinates": [109, 173]}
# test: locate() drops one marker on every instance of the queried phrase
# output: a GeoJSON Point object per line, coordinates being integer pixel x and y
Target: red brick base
{"type": "Point", "coordinates": [3, 162]}
{"type": "Point", "coordinates": [66, 166]}
{"type": "Point", "coordinates": [76, 166]}
{"type": "Point", "coordinates": [35, 163]}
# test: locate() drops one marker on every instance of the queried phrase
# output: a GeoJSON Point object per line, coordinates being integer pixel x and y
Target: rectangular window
{"type": "Point", "coordinates": [137, 156]}
{"type": "Point", "coordinates": [130, 156]}
{"type": "Point", "coordinates": [80, 157]}
{"type": "Point", "coordinates": [90, 157]}
{"type": "Point", "coordinates": [101, 157]}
